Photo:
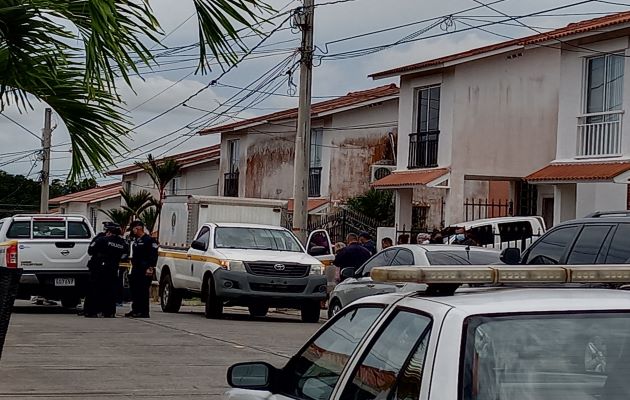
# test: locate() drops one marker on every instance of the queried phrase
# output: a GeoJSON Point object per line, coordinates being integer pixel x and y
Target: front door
{"type": "Point", "coordinates": [547, 211]}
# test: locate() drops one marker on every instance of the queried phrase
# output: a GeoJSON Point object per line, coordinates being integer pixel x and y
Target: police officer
{"type": "Point", "coordinates": [106, 252]}
{"type": "Point", "coordinates": [90, 307]}
{"type": "Point", "coordinates": [144, 255]}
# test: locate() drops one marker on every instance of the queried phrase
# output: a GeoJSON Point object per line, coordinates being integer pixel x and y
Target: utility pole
{"type": "Point", "coordinates": [46, 140]}
{"type": "Point", "coordinates": [304, 19]}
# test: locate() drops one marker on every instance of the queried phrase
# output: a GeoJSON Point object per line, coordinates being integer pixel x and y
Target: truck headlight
{"type": "Point", "coordinates": [232, 265]}
{"type": "Point", "coordinates": [318, 269]}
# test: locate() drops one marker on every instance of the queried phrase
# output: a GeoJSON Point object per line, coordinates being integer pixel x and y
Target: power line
{"type": "Point", "coordinates": [21, 126]}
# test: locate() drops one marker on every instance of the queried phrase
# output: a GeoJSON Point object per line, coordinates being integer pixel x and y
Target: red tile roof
{"type": "Point", "coordinates": [91, 195]}
{"type": "Point", "coordinates": [313, 204]}
{"type": "Point", "coordinates": [605, 171]}
{"type": "Point", "coordinates": [410, 178]}
{"type": "Point", "coordinates": [557, 34]}
{"type": "Point", "coordinates": [349, 100]}
{"type": "Point", "coordinates": [212, 153]}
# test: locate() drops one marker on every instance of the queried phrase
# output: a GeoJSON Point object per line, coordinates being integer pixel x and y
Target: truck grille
{"type": "Point", "coordinates": [278, 269]}
{"type": "Point", "coordinates": [263, 287]}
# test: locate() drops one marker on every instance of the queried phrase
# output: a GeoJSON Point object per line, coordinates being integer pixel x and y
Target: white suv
{"type": "Point", "coordinates": [52, 251]}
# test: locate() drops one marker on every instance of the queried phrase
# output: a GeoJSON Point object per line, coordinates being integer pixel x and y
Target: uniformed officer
{"type": "Point", "coordinates": [90, 307]}
{"type": "Point", "coordinates": [144, 255]}
{"type": "Point", "coordinates": [106, 252]}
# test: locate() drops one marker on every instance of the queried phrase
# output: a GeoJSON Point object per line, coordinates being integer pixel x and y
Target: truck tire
{"type": "Point", "coordinates": [258, 310]}
{"type": "Point", "coordinates": [170, 298]}
{"type": "Point", "coordinates": [214, 305]}
{"type": "Point", "coordinates": [310, 312]}
{"type": "Point", "coordinates": [70, 301]}
{"type": "Point", "coordinates": [333, 308]}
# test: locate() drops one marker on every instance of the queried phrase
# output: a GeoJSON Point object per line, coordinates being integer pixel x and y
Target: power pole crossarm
{"type": "Point", "coordinates": [302, 139]}
{"type": "Point", "coordinates": [46, 141]}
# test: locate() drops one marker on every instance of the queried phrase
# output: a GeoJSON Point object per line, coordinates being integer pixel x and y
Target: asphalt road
{"type": "Point", "coordinates": [52, 354]}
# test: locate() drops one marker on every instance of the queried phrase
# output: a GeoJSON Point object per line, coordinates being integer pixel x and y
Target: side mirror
{"type": "Point", "coordinates": [347, 273]}
{"type": "Point", "coordinates": [317, 251]}
{"type": "Point", "coordinates": [252, 376]}
{"type": "Point", "coordinates": [197, 245]}
{"type": "Point", "coordinates": [511, 256]}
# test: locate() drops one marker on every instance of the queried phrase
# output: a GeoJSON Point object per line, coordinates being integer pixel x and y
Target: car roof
{"type": "Point", "coordinates": [492, 220]}
{"type": "Point", "coordinates": [242, 225]}
{"type": "Point", "coordinates": [598, 220]}
{"type": "Point", "coordinates": [444, 247]}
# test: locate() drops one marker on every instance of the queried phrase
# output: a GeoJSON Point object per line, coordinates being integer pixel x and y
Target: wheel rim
{"type": "Point", "coordinates": [167, 292]}
{"type": "Point", "coordinates": [336, 309]}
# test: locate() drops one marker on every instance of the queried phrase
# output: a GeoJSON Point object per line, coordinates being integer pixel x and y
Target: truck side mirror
{"type": "Point", "coordinates": [316, 251]}
{"type": "Point", "coordinates": [197, 245]}
{"type": "Point", "coordinates": [511, 256]}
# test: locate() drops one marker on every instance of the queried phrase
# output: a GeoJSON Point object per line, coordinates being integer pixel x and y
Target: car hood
{"type": "Point", "coordinates": [267, 255]}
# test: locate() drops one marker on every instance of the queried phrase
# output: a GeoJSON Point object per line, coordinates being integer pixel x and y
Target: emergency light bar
{"type": "Point", "coordinates": [504, 274]}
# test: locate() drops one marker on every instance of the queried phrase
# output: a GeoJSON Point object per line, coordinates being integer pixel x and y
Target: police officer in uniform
{"type": "Point", "coordinates": [106, 251]}
{"type": "Point", "coordinates": [144, 255]}
{"type": "Point", "coordinates": [90, 308]}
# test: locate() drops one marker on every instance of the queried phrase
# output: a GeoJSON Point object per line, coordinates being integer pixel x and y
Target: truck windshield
{"type": "Point", "coordinates": [547, 357]}
{"type": "Point", "coordinates": [255, 239]}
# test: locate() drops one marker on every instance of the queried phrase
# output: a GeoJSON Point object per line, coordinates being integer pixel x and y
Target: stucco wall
{"type": "Point", "coordinates": [591, 197]}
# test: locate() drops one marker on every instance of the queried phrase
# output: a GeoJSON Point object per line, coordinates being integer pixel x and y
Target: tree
{"type": "Point", "coordinates": [119, 216]}
{"type": "Point", "coordinates": [136, 203]}
{"type": "Point", "coordinates": [149, 217]}
{"type": "Point", "coordinates": [71, 53]}
{"type": "Point", "coordinates": [376, 204]}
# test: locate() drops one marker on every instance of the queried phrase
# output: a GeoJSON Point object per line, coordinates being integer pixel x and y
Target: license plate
{"type": "Point", "coordinates": [64, 281]}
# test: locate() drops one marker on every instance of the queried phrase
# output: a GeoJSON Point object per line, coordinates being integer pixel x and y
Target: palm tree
{"type": "Point", "coordinates": [136, 203]}
{"type": "Point", "coordinates": [161, 173]}
{"type": "Point", "coordinates": [70, 54]}
{"type": "Point", "coordinates": [119, 216]}
{"type": "Point", "coordinates": [149, 217]}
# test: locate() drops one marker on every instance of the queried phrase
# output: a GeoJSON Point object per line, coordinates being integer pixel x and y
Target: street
{"type": "Point", "coordinates": [53, 354]}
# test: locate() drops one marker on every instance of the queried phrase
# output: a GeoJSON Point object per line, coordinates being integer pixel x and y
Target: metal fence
{"type": "Point", "coordinates": [343, 222]}
{"type": "Point", "coordinates": [484, 208]}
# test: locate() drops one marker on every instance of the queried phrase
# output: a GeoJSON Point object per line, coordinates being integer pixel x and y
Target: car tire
{"type": "Point", "coordinates": [334, 307]}
{"type": "Point", "coordinates": [170, 298]}
{"type": "Point", "coordinates": [310, 312]}
{"type": "Point", "coordinates": [70, 301]}
{"type": "Point", "coordinates": [258, 310]}
{"type": "Point", "coordinates": [214, 305]}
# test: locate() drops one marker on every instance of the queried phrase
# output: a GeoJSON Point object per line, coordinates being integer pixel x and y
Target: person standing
{"type": "Point", "coordinates": [386, 243]}
{"type": "Point", "coordinates": [354, 255]}
{"type": "Point", "coordinates": [144, 255]}
{"type": "Point", "coordinates": [366, 241]}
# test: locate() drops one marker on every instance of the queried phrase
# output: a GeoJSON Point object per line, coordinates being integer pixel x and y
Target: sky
{"type": "Point", "coordinates": [173, 80]}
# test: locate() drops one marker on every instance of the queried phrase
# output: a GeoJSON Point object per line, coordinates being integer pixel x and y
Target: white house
{"type": "Point", "coordinates": [591, 169]}
{"type": "Point", "coordinates": [352, 141]}
{"type": "Point", "coordinates": [89, 203]}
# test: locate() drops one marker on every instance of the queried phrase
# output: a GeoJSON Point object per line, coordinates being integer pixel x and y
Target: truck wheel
{"type": "Point", "coordinates": [170, 298]}
{"type": "Point", "coordinates": [70, 301]}
{"type": "Point", "coordinates": [310, 312]}
{"type": "Point", "coordinates": [333, 308]}
{"type": "Point", "coordinates": [258, 310]}
{"type": "Point", "coordinates": [214, 305]}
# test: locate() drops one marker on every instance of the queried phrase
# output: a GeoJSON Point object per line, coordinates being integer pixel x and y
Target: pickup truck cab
{"type": "Point", "coordinates": [500, 343]}
{"type": "Point", "coordinates": [52, 251]}
{"type": "Point", "coordinates": [236, 264]}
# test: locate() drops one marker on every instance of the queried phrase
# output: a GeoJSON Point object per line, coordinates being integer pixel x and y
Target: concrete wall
{"type": "Point", "coordinates": [591, 197]}
{"type": "Point", "coordinates": [202, 180]}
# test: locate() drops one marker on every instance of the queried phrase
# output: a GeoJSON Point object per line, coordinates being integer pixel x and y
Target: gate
{"type": "Point", "coordinates": [343, 222]}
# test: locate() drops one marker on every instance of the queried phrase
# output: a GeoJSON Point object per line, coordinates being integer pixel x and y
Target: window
{"type": "Point", "coordinates": [128, 186]}
{"type": "Point", "coordinates": [78, 230]}
{"type": "Point", "coordinates": [423, 143]}
{"type": "Point", "coordinates": [19, 230]}
{"type": "Point", "coordinates": [619, 252]}
{"type": "Point", "coordinates": [376, 376]}
{"type": "Point", "coordinates": [462, 257]}
{"type": "Point", "coordinates": [483, 235]}
{"type": "Point", "coordinates": [382, 259]}
{"type": "Point", "coordinates": [204, 236]}
{"type": "Point", "coordinates": [403, 257]}
{"type": "Point", "coordinates": [93, 217]}
{"type": "Point", "coordinates": [428, 109]}
{"type": "Point", "coordinates": [234, 155]}
{"type": "Point", "coordinates": [49, 229]}
{"type": "Point", "coordinates": [604, 85]}
{"type": "Point", "coordinates": [256, 239]}
{"type": "Point", "coordinates": [588, 244]}
{"type": "Point", "coordinates": [550, 248]}
{"type": "Point", "coordinates": [317, 136]}
{"type": "Point", "coordinates": [514, 231]}
{"type": "Point", "coordinates": [314, 372]}
{"type": "Point", "coordinates": [546, 357]}
{"type": "Point", "coordinates": [174, 185]}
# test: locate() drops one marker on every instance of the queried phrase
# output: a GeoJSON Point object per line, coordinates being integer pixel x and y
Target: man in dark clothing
{"type": "Point", "coordinates": [354, 255]}
{"type": "Point", "coordinates": [366, 241]}
{"type": "Point", "coordinates": [106, 251]}
{"type": "Point", "coordinates": [144, 255]}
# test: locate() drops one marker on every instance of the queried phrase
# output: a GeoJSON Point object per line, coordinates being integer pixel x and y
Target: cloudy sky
{"type": "Point", "coordinates": [341, 68]}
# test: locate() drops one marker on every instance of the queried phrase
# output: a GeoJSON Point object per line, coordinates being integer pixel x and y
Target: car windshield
{"type": "Point", "coordinates": [462, 257]}
{"type": "Point", "coordinates": [547, 357]}
{"type": "Point", "coordinates": [256, 239]}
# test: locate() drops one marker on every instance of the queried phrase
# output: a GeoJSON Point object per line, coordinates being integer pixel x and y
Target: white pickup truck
{"type": "Point", "coordinates": [235, 263]}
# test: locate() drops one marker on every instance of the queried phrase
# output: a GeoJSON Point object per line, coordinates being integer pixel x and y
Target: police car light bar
{"type": "Point", "coordinates": [504, 274]}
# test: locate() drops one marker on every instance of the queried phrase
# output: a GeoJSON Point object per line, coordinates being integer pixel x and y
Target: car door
{"type": "Point", "coordinates": [591, 245]}
{"type": "Point", "coordinates": [362, 285]}
{"type": "Point", "coordinates": [618, 252]}
{"type": "Point", "coordinates": [319, 246]}
{"type": "Point", "coordinates": [192, 267]}
{"type": "Point", "coordinates": [552, 247]}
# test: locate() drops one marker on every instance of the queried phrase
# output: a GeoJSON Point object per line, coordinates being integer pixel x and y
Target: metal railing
{"type": "Point", "coordinates": [599, 134]}
{"type": "Point", "coordinates": [230, 184]}
{"type": "Point", "coordinates": [423, 149]}
{"type": "Point", "coordinates": [314, 181]}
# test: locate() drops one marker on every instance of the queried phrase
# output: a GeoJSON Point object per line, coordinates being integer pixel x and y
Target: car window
{"type": "Point", "coordinates": [49, 229]}
{"type": "Point", "coordinates": [588, 244]}
{"type": "Point", "coordinates": [462, 257]}
{"type": "Point", "coordinates": [313, 373]}
{"type": "Point", "coordinates": [515, 231]}
{"type": "Point", "coordinates": [204, 236]}
{"type": "Point", "coordinates": [403, 257]}
{"type": "Point", "coordinates": [78, 230]}
{"type": "Point", "coordinates": [619, 252]}
{"type": "Point", "coordinates": [376, 375]}
{"type": "Point", "coordinates": [550, 248]}
{"type": "Point", "coordinates": [382, 259]}
{"type": "Point", "coordinates": [483, 234]}
{"type": "Point", "coordinates": [19, 230]}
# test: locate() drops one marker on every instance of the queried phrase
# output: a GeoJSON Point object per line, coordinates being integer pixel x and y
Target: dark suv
{"type": "Point", "coordinates": [599, 238]}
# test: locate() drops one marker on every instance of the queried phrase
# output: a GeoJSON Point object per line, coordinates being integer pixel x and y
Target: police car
{"type": "Point", "coordinates": [529, 333]}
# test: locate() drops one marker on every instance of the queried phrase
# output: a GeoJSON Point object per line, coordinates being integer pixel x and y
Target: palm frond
{"type": "Point", "coordinates": [119, 216]}
{"type": "Point", "coordinates": [136, 203]}
{"type": "Point", "coordinates": [149, 217]}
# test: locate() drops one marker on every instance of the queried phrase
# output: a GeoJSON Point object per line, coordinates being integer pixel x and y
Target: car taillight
{"type": "Point", "coordinates": [12, 255]}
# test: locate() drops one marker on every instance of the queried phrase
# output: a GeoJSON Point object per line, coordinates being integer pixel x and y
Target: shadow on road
{"type": "Point", "coordinates": [240, 316]}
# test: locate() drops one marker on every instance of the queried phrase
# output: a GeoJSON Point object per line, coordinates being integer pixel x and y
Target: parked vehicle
{"type": "Point", "coordinates": [359, 284]}
{"type": "Point", "coordinates": [500, 233]}
{"type": "Point", "coordinates": [600, 238]}
{"type": "Point", "coordinates": [479, 343]}
{"type": "Point", "coordinates": [236, 263]}
{"type": "Point", "coordinates": [52, 251]}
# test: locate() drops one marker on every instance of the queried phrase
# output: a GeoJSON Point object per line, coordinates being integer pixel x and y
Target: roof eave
{"type": "Point", "coordinates": [354, 106]}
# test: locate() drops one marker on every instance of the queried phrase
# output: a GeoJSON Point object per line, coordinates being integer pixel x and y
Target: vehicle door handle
{"type": "Point", "coordinates": [371, 285]}
{"type": "Point", "coordinates": [64, 245]}
{"type": "Point", "coordinates": [400, 285]}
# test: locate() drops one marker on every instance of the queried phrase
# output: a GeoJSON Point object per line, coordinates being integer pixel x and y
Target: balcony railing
{"type": "Point", "coordinates": [314, 181]}
{"type": "Point", "coordinates": [599, 134]}
{"type": "Point", "coordinates": [230, 184]}
{"type": "Point", "coordinates": [423, 149]}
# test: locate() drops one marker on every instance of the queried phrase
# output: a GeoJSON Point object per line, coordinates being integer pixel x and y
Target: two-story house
{"type": "Point", "coordinates": [89, 202]}
{"type": "Point", "coordinates": [591, 169]}
{"type": "Point", "coordinates": [352, 142]}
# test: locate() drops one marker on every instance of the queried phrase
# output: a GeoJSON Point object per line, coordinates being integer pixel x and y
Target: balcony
{"type": "Point", "coordinates": [423, 149]}
{"type": "Point", "coordinates": [314, 181]}
{"type": "Point", "coordinates": [230, 184]}
{"type": "Point", "coordinates": [599, 134]}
